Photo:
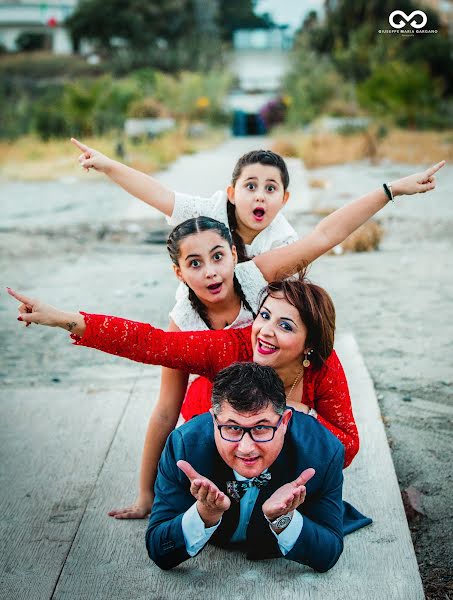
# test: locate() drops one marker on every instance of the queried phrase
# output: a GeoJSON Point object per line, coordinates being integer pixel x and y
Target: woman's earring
{"type": "Point", "coordinates": [306, 363]}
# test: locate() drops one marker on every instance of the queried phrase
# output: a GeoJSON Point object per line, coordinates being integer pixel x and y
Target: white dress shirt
{"type": "Point", "coordinates": [196, 535]}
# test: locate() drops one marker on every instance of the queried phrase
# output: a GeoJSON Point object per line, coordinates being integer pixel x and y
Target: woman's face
{"type": "Point", "coordinates": [278, 334]}
{"type": "Point", "coordinates": [206, 265]}
{"type": "Point", "coordinates": [258, 195]}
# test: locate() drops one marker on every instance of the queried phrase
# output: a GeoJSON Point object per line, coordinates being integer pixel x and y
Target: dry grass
{"type": "Point", "coordinates": [284, 147]}
{"type": "Point", "coordinates": [30, 159]}
{"type": "Point", "coordinates": [365, 239]}
{"type": "Point", "coordinates": [326, 148]}
{"type": "Point", "coordinates": [320, 184]}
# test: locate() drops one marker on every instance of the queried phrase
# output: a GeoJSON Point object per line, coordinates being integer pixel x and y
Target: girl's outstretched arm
{"type": "Point", "coordinates": [336, 227]}
{"type": "Point", "coordinates": [135, 182]}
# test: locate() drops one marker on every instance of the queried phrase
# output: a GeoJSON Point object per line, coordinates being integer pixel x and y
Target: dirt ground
{"type": "Point", "coordinates": [397, 301]}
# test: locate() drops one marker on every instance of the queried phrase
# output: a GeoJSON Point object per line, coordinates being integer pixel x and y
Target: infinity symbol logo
{"type": "Point", "coordinates": [407, 19]}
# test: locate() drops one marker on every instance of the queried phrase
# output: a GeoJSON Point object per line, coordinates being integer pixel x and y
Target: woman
{"type": "Point", "coordinates": [293, 333]}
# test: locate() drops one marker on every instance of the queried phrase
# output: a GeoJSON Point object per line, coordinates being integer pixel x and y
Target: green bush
{"type": "Point", "coordinates": [401, 92]}
{"type": "Point", "coordinates": [310, 85]}
{"type": "Point", "coordinates": [194, 96]}
{"type": "Point", "coordinates": [44, 65]}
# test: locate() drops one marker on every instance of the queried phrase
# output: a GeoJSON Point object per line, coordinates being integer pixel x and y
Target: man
{"type": "Point", "coordinates": [251, 474]}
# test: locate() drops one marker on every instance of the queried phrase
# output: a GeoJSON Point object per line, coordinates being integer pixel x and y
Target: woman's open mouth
{"type": "Point", "coordinates": [264, 347]}
{"type": "Point", "coordinates": [215, 288]}
{"type": "Point", "coordinates": [258, 214]}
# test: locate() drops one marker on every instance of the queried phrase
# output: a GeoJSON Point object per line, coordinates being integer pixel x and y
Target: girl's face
{"type": "Point", "coordinates": [258, 195]}
{"type": "Point", "coordinates": [206, 264]}
{"type": "Point", "coordinates": [278, 334]}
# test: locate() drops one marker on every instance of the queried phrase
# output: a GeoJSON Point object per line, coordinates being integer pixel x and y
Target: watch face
{"type": "Point", "coordinates": [281, 522]}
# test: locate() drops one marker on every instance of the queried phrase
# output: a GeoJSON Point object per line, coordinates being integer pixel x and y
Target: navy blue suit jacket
{"type": "Point", "coordinates": [307, 444]}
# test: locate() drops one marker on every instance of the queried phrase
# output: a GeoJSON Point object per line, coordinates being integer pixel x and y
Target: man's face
{"type": "Point", "coordinates": [249, 458]}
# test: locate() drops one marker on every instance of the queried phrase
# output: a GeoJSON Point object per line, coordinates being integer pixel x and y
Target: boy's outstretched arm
{"type": "Point", "coordinates": [135, 182]}
{"type": "Point", "coordinates": [336, 227]}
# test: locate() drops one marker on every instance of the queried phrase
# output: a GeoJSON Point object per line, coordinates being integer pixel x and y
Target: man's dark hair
{"type": "Point", "coordinates": [248, 387]}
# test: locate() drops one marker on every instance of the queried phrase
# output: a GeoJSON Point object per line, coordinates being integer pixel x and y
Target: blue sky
{"type": "Point", "coordinates": [291, 12]}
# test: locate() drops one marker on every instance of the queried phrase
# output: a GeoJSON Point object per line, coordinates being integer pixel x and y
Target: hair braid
{"type": "Point", "coordinates": [237, 239]}
{"type": "Point", "coordinates": [240, 292]}
{"type": "Point", "coordinates": [199, 308]}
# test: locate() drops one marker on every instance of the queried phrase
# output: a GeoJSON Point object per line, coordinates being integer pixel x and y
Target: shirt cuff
{"type": "Point", "coordinates": [289, 536]}
{"type": "Point", "coordinates": [196, 535]}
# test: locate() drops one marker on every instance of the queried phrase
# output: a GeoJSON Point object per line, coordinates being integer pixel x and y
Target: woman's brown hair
{"type": "Point", "coordinates": [316, 310]}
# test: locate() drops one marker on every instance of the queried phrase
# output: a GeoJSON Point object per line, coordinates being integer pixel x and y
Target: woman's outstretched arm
{"type": "Point", "coordinates": [135, 182]}
{"type": "Point", "coordinates": [32, 310]}
{"type": "Point", "coordinates": [336, 227]}
{"type": "Point", "coordinates": [201, 352]}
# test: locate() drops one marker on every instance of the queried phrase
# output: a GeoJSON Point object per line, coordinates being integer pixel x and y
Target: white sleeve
{"type": "Point", "coordinates": [288, 537]}
{"type": "Point", "coordinates": [196, 535]}
{"type": "Point", "coordinates": [188, 207]}
{"type": "Point", "coordinates": [252, 282]}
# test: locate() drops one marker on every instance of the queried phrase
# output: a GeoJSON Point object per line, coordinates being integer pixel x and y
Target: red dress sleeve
{"type": "Point", "coordinates": [328, 393]}
{"type": "Point", "coordinates": [201, 352]}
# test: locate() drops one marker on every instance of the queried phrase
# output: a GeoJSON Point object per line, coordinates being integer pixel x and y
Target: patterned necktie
{"type": "Point", "coordinates": [236, 489]}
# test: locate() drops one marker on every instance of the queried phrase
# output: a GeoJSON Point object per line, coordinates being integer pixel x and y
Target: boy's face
{"type": "Point", "coordinates": [258, 196]}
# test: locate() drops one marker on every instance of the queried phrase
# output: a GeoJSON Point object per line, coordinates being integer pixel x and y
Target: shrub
{"type": "Point", "coordinates": [401, 92]}
{"type": "Point", "coordinates": [148, 108]}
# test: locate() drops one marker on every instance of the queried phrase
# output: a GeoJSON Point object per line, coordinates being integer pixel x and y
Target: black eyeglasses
{"type": "Point", "coordinates": [258, 433]}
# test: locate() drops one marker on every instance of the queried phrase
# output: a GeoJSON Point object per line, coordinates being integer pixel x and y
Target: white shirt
{"type": "Point", "coordinates": [278, 233]}
{"type": "Point", "coordinates": [196, 535]}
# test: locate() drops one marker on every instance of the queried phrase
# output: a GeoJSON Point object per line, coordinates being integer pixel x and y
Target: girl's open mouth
{"type": "Point", "coordinates": [215, 288]}
{"type": "Point", "coordinates": [259, 213]}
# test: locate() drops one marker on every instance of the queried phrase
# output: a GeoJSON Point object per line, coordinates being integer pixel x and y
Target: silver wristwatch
{"type": "Point", "coordinates": [280, 522]}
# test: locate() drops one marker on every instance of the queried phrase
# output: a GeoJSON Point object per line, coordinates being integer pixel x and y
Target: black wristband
{"type": "Point", "coordinates": [388, 192]}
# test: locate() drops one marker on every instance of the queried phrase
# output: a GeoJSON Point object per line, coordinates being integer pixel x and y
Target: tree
{"type": "Point", "coordinates": [138, 23]}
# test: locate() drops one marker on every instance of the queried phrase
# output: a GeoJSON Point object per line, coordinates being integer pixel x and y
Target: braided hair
{"type": "Point", "coordinates": [262, 157]}
{"type": "Point", "coordinates": [191, 227]}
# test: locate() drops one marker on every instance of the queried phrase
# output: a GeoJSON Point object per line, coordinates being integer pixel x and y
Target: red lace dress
{"type": "Point", "coordinates": [207, 352]}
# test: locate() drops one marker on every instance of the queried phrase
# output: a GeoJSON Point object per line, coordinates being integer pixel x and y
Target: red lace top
{"type": "Point", "coordinates": [207, 352]}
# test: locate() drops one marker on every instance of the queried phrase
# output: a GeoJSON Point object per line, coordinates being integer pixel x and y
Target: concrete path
{"type": "Point", "coordinates": [69, 456]}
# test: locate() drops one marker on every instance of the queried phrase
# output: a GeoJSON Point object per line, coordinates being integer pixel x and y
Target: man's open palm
{"type": "Point", "coordinates": [288, 497]}
{"type": "Point", "coordinates": [205, 491]}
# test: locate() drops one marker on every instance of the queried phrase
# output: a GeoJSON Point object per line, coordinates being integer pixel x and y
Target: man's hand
{"type": "Point", "coordinates": [417, 183]}
{"type": "Point", "coordinates": [288, 497]}
{"type": "Point", "coordinates": [92, 159]}
{"type": "Point", "coordinates": [211, 502]}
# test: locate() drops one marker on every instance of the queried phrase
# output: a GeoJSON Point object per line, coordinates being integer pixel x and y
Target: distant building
{"type": "Point", "coordinates": [43, 19]}
{"type": "Point", "coordinates": [259, 60]}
